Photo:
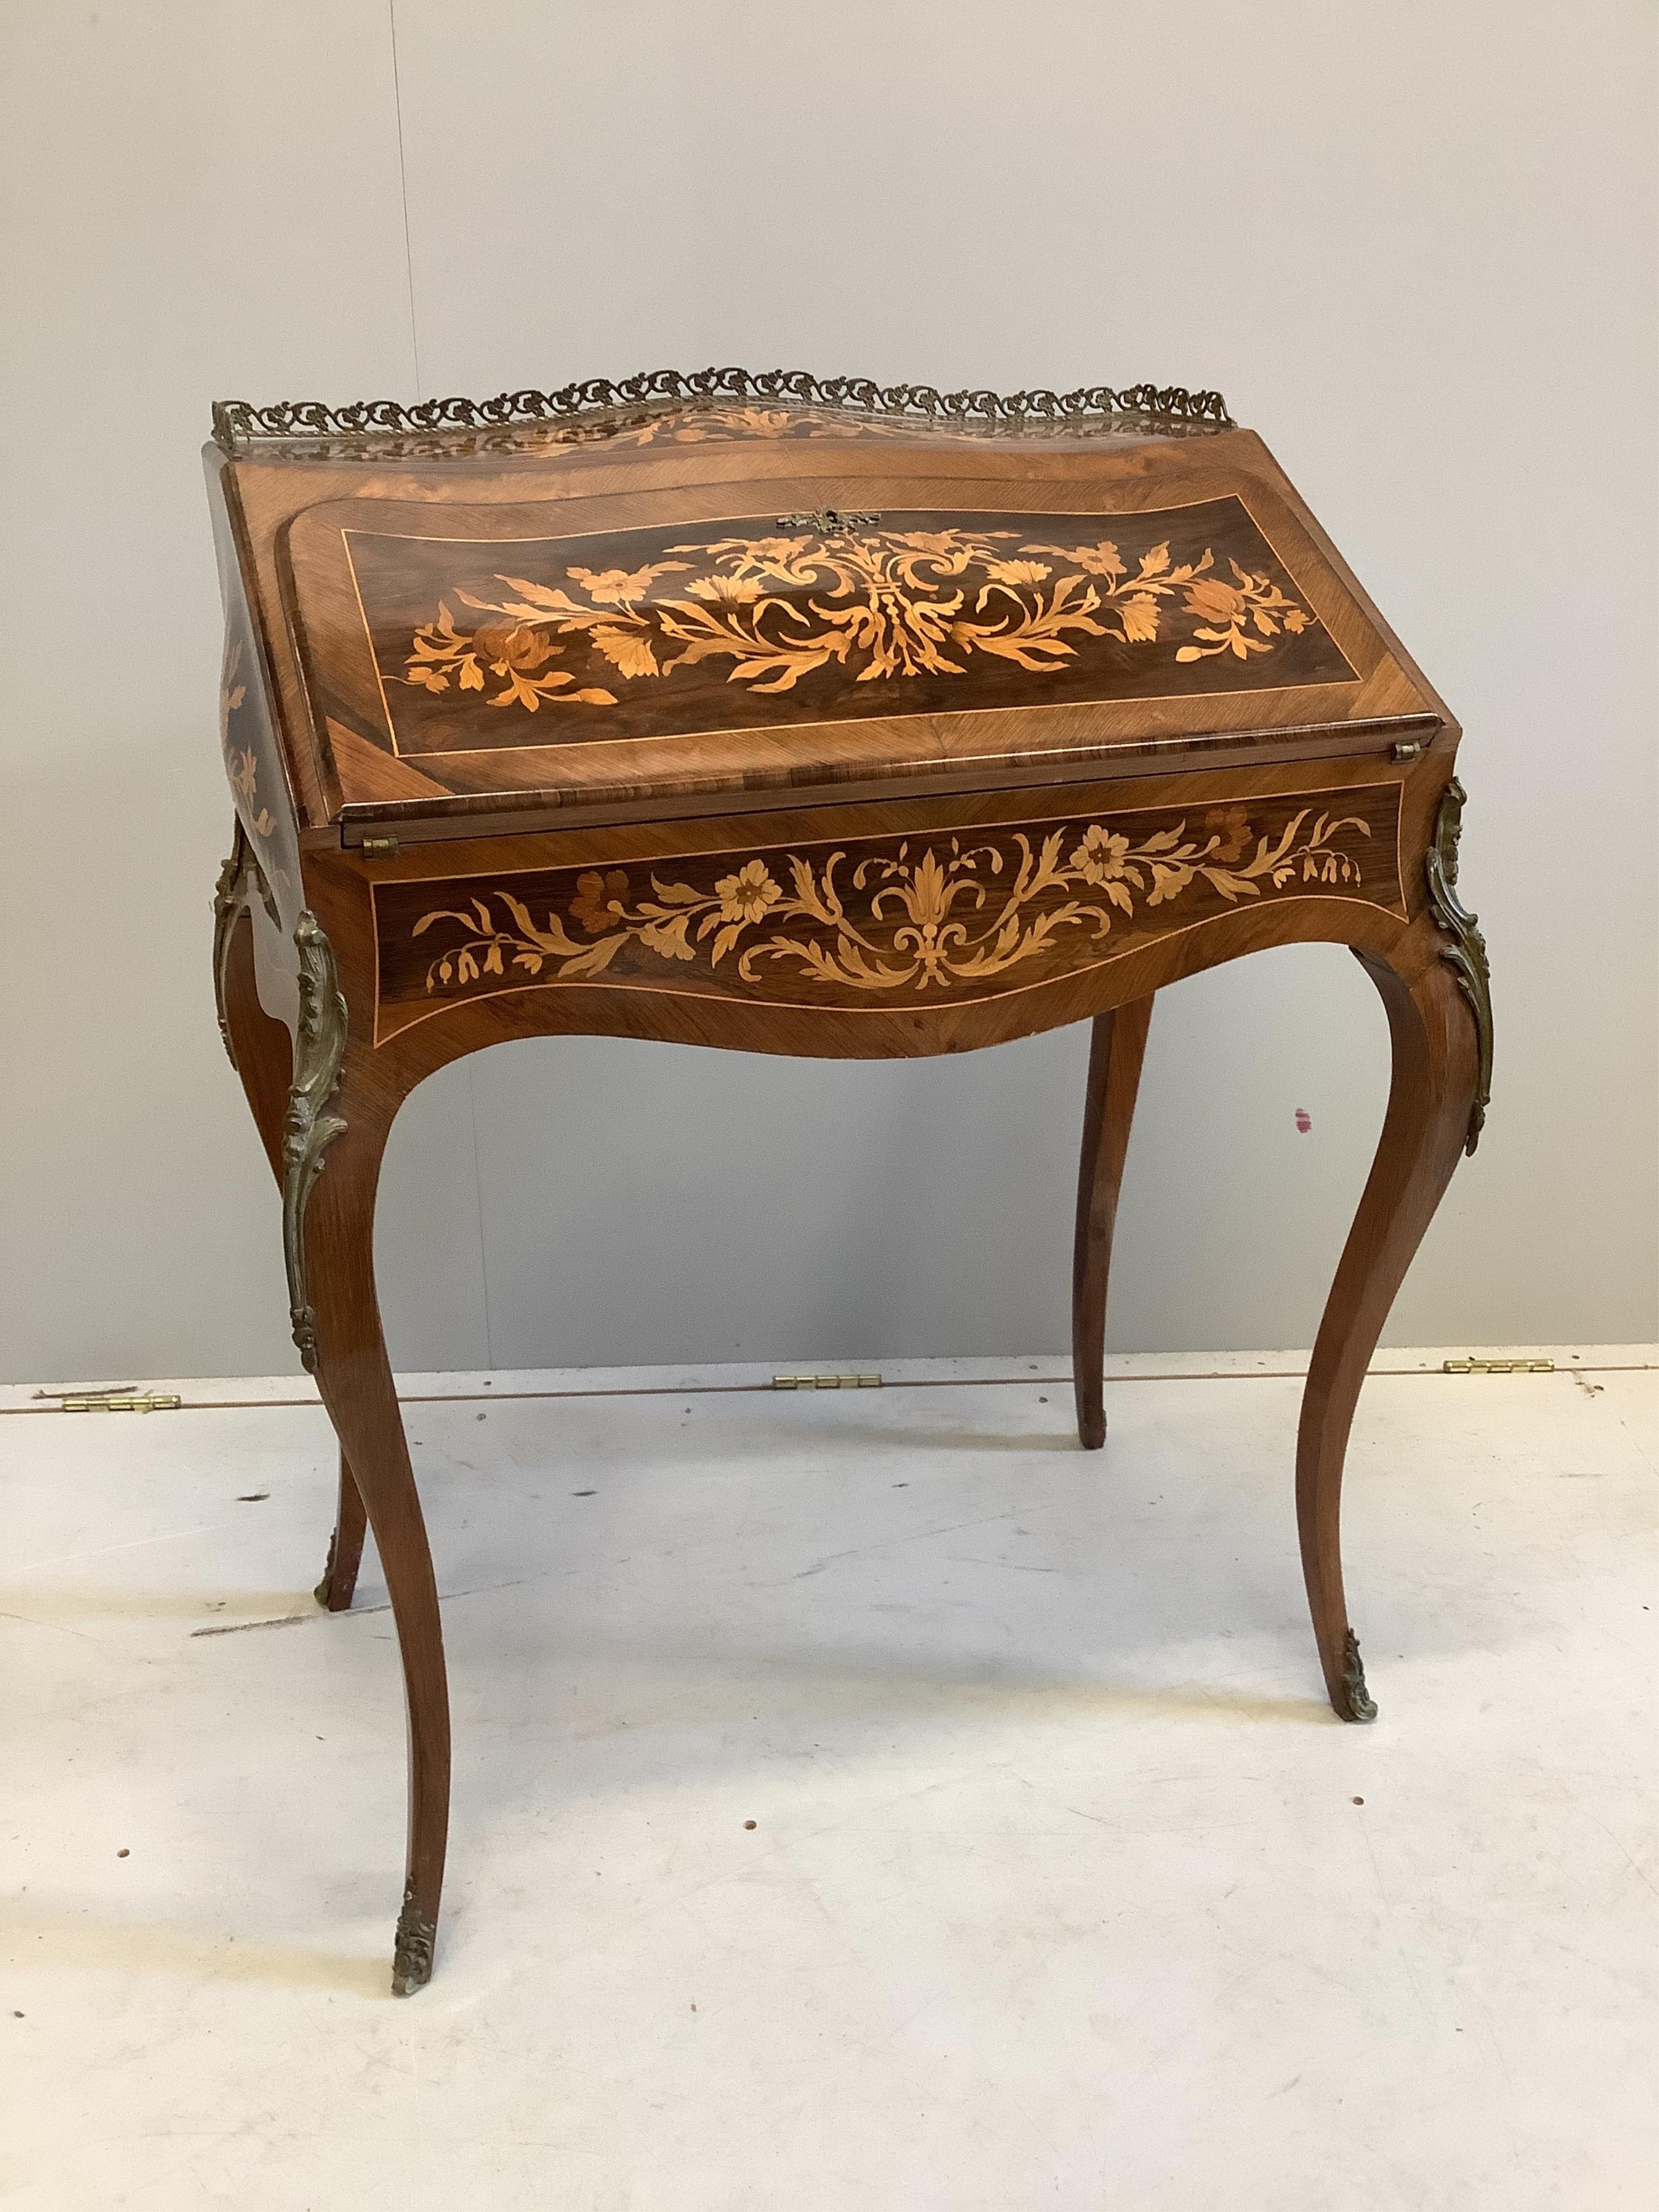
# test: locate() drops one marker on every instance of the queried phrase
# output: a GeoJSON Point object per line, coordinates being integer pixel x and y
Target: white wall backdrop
{"type": "Point", "coordinates": [1413, 244]}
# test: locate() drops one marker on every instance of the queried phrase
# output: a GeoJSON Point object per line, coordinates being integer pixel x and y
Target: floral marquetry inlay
{"type": "Point", "coordinates": [915, 918]}
{"type": "Point", "coordinates": [881, 604]}
{"type": "Point", "coordinates": [818, 618]}
{"type": "Point", "coordinates": [252, 763]}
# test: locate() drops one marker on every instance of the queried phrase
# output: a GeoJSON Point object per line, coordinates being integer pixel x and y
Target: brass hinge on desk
{"type": "Point", "coordinates": [1497, 1367]}
{"type": "Point", "coordinates": [379, 848]}
{"type": "Point", "coordinates": [826, 1382]}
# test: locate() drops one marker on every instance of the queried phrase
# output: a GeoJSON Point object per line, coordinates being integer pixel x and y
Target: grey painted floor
{"type": "Point", "coordinates": [1063, 1886]}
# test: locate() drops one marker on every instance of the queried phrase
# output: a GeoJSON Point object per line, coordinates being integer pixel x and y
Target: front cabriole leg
{"type": "Point", "coordinates": [337, 1105]}
{"type": "Point", "coordinates": [1440, 1022]}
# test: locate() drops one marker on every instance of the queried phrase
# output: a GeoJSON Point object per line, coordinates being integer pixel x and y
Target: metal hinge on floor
{"type": "Point", "coordinates": [114, 1401]}
{"type": "Point", "coordinates": [1497, 1367]}
{"type": "Point", "coordinates": [826, 1382]}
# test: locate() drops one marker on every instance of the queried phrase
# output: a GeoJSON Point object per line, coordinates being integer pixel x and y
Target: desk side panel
{"type": "Point", "coordinates": [255, 761]}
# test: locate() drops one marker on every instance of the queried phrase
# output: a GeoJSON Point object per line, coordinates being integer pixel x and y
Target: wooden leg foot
{"type": "Point", "coordinates": [1115, 1053]}
{"type": "Point", "coordinates": [346, 1547]}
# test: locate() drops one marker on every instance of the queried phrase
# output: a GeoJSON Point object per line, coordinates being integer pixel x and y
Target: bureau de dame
{"type": "Point", "coordinates": [806, 717]}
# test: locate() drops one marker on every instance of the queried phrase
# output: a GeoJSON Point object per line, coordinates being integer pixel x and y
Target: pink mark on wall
{"type": "Point", "coordinates": [1304, 1120]}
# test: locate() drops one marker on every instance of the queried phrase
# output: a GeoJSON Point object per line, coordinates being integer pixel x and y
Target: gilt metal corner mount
{"type": "Point", "coordinates": [309, 1127]}
{"type": "Point", "coordinates": [1357, 1703]}
{"type": "Point", "coordinates": [411, 1952]}
{"type": "Point", "coordinates": [1466, 952]}
{"type": "Point", "coordinates": [229, 898]}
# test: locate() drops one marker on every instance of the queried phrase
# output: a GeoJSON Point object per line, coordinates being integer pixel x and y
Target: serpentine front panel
{"type": "Point", "coordinates": [949, 916]}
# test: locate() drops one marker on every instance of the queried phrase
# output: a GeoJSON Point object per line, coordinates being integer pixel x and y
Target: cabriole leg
{"type": "Point", "coordinates": [316, 1111]}
{"type": "Point", "coordinates": [1115, 1054]}
{"type": "Point", "coordinates": [340, 1317]}
{"type": "Point", "coordinates": [1437, 1058]}
{"type": "Point", "coordinates": [334, 1137]}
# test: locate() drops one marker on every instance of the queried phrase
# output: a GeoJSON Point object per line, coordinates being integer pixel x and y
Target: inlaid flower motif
{"type": "Point", "coordinates": [1138, 619]}
{"type": "Point", "coordinates": [1213, 599]}
{"type": "Point", "coordinates": [244, 781]}
{"type": "Point", "coordinates": [1225, 609]}
{"type": "Point", "coordinates": [1231, 824]}
{"type": "Point", "coordinates": [231, 693]}
{"type": "Point", "coordinates": [599, 899]}
{"type": "Point", "coordinates": [242, 767]}
{"type": "Point", "coordinates": [732, 590]}
{"type": "Point", "coordinates": [614, 587]}
{"type": "Point", "coordinates": [516, 651]}
{"type": "Point", "coordinates": [504, 645]}
{"type": "Point", "coordinates": [1101, 857]}
{"type": "Point", "coordinates": [747, 895]}
{"type": "Point", "coordinates": [1102, 560]}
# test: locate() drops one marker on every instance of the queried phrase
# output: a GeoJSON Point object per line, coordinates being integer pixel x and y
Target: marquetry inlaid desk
{"type": "Point", "coordinates": [800, 718]}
